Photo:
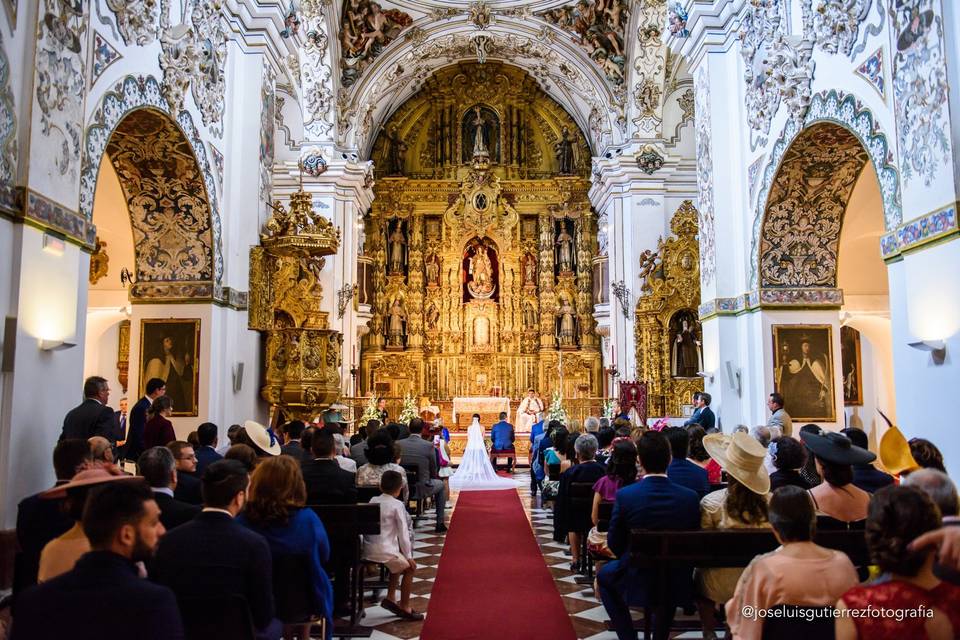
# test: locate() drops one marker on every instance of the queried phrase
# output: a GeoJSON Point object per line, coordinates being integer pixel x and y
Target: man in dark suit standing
{"type": "Point", "coordinates": [40, 520]}
{"type": "Point", "coordinates": [415, 450]}
{"type": "Point", "coordinates": [682, 471]}
{"type": "Point", "coordinates": [103, 592]}
{"type": "Point", "coordinates": [503, 436]}
{"type": "Point", "coordinates": [327, 482]}
{"type": "Point", "coordinates": [695, 416]}
{"type": "Point", "coordinates": [703, 415]}
{"type": "Point", "coordinates": [654, 503]}
{"type": "Point", "coordinates": [207, 453]}
{"type": "Point", "coordinates": [212, 554]}
{"type": "Point", "coordinates": [159, 469]}
{"type": "Point", "coordinates": [294, 430]}
{"type": "Point", "coordinates": [138, 418]}
{"type": "Point", "coordinates": [92, 417]}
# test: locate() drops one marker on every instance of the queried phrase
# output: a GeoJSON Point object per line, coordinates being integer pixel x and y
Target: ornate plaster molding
{"type": "Point", "coordinates": [136, 20]}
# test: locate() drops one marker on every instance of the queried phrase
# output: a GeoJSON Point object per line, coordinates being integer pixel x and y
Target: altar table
{"type": "Point", "coordinates": [481, 404]}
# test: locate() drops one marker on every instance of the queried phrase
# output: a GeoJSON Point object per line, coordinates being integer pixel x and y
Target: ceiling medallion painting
{"type": "Point", "coordinates": [801, 230]}
{"type": "Point", "coordinates": [598, 27]}
{"type": "Point", "coordinates": [365, 29]}
{"type": "Point", "coordinates": [169, 211]}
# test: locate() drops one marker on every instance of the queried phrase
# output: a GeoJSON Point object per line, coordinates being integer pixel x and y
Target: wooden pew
{"type": "Point", "coordinates": [660, 550]}
{"type": "Point", "coordinates": [345, 523]}
{"type": "Point", "coordinates": [581, 506]}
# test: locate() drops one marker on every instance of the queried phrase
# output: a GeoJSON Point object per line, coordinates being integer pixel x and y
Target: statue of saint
{"type": "Point", "coordinates": [565, 242]}
{"type": "Point", "coordinates": [568, 330]}
{"type": "Point", "coordinates": [396, 150]}
{"type": "Point", "coordinates": [481, 269]}
{"type": "Point", "coordinates": [433, 270]}
{"type": "Point", "coordinates": [433, 317]}
{"type": "Point", "coordinates": [395, 324]}
{"type": "Point", "coordinates": [397, 242]}
{"type": "Point", "coordinates": [563, 149]}
{"type": "Point", "coordinates": [529, 317]}
{"type": "Point", "coordinates": [530, 270]}
{"type": "Point", "coordinates": [686, 351]}
{"type": "Point", "coordinates": [479, 145]}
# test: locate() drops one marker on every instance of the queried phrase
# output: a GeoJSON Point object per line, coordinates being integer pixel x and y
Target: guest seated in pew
{"type": "Point", "coordinates": [682, 471]}
{"type": "Point", "coordinates": [897, 516]}
{"type": "Point", "coordinates": [567, 524]}
{"type": "Point", "coordinates": [276, 511]}
{"type": "Point", "coordinates": [699, 456]}
{"type": "Point", "coordinates": [359, 436]}
{"type": "Point", "coordinates": [213, 555]}
{"type": "Point", "coordinates": [621, 472]}
{"type": "Point", "coordinates": [346, 463]}
{"type": "Point", "coordinates": [926, 454]}
{"type": "Point", "coordinates": [655, 503]}
{"type": "Point", "coordinates": [741, 505]}
{"type": "Point", "coordinates": [809, 469]}
{"type": "Point", "coordinates": [326, 481]}
{"type": "Point", "coordinates": [788, 456]}
{"type": "Point", "coordinates": [605, 436]}
{"type": "Point", "coordinates": [381, 457]}
{"type": "Point", "coordinates": [392, 546]}
{"type": "Point", "coordinates": [800, 572]}
{"type": "Point", "coordinates": [553, 455]}
{"type": "Point", "coordinates": [358, 449]}
{"type": "Point", "coordinates": [158, 468]}
{"type": "Point", "coordinates": [865, 475]}
{"type": "Point", "coordinates": [244, 454]}
{"type": "Point", "coordinates": [104, 594]}
{"type": "Point", "coordinates": [943, 492]}
{"type": "Point", "coordinates": [836, 496]}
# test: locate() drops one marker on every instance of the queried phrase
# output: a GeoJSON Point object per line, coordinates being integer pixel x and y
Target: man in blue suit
{"type": "Point", "coordinates": [138, 418]}
{"type": "Point", "coordinates": [681, 470]}
{"type": "Point", "coordinates": [207, 453]}
{"type": "Point", "coordinates": [655, 503]}
{"type": "Point", "coordinates": [703, 415]}
{"type": "Point", "coordinates": [503, 436]}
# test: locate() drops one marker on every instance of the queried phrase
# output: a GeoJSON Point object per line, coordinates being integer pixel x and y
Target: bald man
{"type": "Point", "coordinates": [100, 449]}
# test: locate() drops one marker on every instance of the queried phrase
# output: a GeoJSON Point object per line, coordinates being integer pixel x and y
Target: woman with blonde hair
{"type": "Point", "coordinates": [275, 509]}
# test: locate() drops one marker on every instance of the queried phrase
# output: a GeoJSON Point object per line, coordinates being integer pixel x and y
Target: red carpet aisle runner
{"type": "Point", "coordinates": [492, 582]}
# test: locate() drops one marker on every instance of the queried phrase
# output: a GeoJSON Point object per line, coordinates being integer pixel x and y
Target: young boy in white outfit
{"type": "Point", "coordinates": [392, 546]}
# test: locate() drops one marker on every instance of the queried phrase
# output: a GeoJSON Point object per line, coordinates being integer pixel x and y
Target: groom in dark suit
{"type": "Point", "coordinates": [138, 418]}
{"type": "Point", "coordinates": [655, 503]}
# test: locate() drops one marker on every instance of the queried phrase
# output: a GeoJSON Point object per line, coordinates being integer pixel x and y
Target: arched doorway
{"type": "Point", "coordinates": [154, 219]}
{"type": "Point", "coordinates": [819, 246]}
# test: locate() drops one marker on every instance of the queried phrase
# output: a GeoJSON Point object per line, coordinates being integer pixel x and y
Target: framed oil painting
{"type": "Point", "coordinates": [169, 350]}
{"type": "Point", "coordinates": [850, 364]}
{"type": "Point", "coordinates": [803, 371]}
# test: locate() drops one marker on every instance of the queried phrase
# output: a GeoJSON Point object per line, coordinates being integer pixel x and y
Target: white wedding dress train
{"type": "Point", "coordinates": [475, 472]}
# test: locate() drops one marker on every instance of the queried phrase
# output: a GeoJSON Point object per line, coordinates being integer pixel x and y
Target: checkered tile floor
{"type": "Point", "coordinates": [586, 612]}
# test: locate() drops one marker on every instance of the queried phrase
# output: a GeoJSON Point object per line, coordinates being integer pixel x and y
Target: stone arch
{"type": "Point", "coordinates": [840, 132]}
{"type": "Point", "coordinates": [176, 236]}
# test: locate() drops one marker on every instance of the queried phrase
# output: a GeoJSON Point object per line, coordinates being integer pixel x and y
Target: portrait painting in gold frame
{"type": "Point", "coordinates": [169, 350]}
{"type": "Point", "coordinates": [803, 371]}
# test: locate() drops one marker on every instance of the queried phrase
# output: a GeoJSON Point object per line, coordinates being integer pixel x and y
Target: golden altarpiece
{"type": "Point", "coordinates": [480, 241]}
{"type": "Point", "coordinates": [667, 330]}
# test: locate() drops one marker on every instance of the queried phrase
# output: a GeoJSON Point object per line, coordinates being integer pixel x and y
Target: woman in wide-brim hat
{"type": "Point", "coordinates": [263, 441]}
{"type": "Point", "coordinates": [835, 456]}
{"type": "Point", "coordinates": [62, 553]}
{"type": "Point", "coordinates": [741, 505]}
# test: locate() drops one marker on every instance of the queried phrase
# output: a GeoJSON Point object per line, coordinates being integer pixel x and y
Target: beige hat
{"type": "Point", "coordinates": [895, 452]}
{"type": "Point", "coordinates": [263, 439]}
{"type": "Point", "coordinates": [741, 456]}
{"type": "Point", "coordinates": [86, 478]}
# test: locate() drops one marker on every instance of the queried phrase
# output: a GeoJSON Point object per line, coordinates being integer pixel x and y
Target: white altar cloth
{"type": "Point", "coordinates": [481, 404]}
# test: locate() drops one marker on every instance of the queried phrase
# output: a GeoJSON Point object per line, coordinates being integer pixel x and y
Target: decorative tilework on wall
{"type": "Point", "coordinates": [919, 232]}
{"type": "Point", "coordinates": [104, 55]}
{"type": "Point", "coordinates": [872, 71]}
{"type": "Point", "coordinates": [8, 122]}
{"type": "Point", "coordinates": [707, 230]}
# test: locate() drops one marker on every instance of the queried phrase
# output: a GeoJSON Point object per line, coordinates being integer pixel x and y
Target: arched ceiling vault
{"type": "Point", "coordinates": [562, 70]}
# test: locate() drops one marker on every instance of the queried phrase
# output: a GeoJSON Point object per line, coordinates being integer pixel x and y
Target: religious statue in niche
{"type": "Point", "coordinates": [529, 269]}
{"type": "Point", "coordinates": [564, 150]}
{"type": "Point", "coordinates": [568, 324]}
{"type": "Point", "coordinates": [395, 324]}
{"type": "Point", "coordinates": [396, 150]}
{"type": "Point", "coordinates": [432, 317]}
{"type": "Point", "coordinates": [564, 244]}
{"type": "Point", "coordinates": [433, 270]}
{"type": "Point", "coordinates": [480, 273]}
{"type": "Point", "coordinates": [529, 317]}
{"type": "Point", "coordinates": [397, 245]}
{"type": "Point", "coordinates": [480, 134]}
{"type": "Point", "coordinates": [685, 345]}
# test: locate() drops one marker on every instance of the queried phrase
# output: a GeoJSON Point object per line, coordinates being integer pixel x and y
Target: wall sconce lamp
{"type": "Point", "coordinates": [937, 349]}
{"type": "Point", "coordinates": [126, 277]}
{"type": "Point", "coordinates": [55, 345]}
{"type": "Point", "coordinates": [734, 378]}
{"type": "Point", "coordinates": [707, 375]}
{"type": "Point", "coordinates": [344, 296]}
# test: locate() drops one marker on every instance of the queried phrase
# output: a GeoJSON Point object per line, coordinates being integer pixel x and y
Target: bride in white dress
{"type": "Point", "coordinates": [475, 472]}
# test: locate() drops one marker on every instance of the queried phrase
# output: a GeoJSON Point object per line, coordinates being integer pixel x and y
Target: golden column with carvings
{"type": "Point", "coordinates": [303, 355]}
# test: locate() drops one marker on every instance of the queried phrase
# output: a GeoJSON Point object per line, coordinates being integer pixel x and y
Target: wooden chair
{"type": "Point", "coordinates": [345, 523]}
{"type": "Point", "coordinates": [509, 454]}
{"type": "Point", "coordinates": [413, 481]}
{"type": "Point", "coordinates": [217, 617]}
{"type": "Point", "coordinates": [579, 517]}
{"type": "Point", "coordinates": [295, 596]}
{"type": "Point", "coordinates": [366, 492]}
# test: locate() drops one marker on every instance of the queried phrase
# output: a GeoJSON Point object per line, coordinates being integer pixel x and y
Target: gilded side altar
{"type": "Point", "coordinates": [480, 242]}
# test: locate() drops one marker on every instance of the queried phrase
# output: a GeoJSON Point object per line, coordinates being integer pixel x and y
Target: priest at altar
{"type": "Point", "coordinates": [527, 412]}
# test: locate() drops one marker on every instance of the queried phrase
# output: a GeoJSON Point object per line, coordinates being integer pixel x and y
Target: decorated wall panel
{"type": "Point", "coordinates": [599, 28]}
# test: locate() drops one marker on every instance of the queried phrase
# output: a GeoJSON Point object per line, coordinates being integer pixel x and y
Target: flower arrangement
{"type": "Point", "coordinates": [660, 425]}
{"type": "Point", "coordinates": [608, 409]}
{"type": "Point", "coordinates": [370, 412]}
{"type": "Point", "coordinates": [409, 410]}
{"type": "Point", "coordinates": [556, 411]}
